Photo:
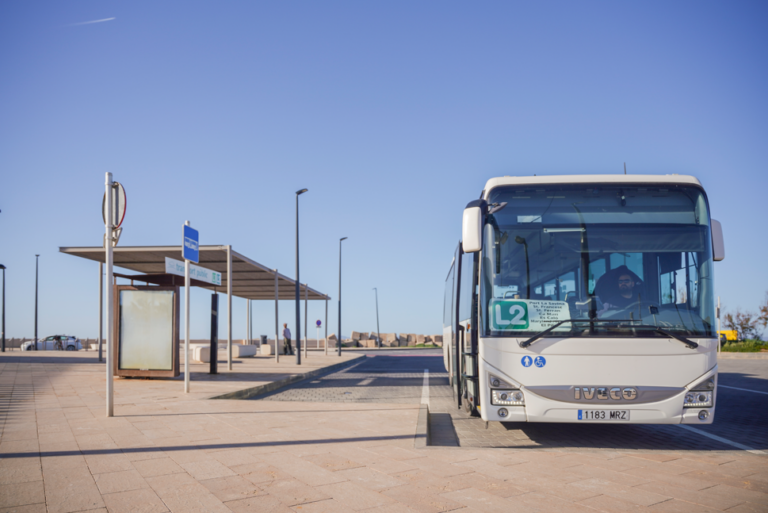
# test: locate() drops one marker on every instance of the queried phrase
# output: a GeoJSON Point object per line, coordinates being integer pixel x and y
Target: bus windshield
{"type": "Point", "coordinates": [620, 256]}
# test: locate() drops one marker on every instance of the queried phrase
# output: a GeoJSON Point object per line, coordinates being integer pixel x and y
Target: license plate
{"type": "Point", "coordinates": [604, 415]}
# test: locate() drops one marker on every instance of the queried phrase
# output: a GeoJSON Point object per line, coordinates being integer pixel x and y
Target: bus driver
{"type": "Point", "coordinates": [623, 294]}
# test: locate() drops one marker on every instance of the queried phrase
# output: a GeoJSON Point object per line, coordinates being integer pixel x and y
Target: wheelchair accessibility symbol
{"type": "Point", "coordinates": [540, 361]}
{"type": "Point", "coordinates": [526, 361]}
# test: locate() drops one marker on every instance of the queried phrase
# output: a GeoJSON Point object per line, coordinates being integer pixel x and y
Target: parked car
{"type": "Point", "coordinates": [53, 343]}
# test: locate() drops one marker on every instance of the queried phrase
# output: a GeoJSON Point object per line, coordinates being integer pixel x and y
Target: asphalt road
{"type": "Point", "coordinates": [398, 377]}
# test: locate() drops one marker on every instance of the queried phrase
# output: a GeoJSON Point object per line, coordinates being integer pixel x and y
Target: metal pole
{"type": "Point", "coordinates": [229, 307]}
{"type": "Point", "coordinates": [277, 324]}
{"type": "Point", "coordinates": [110, 298]}
{"type": "Point", "coordinates": [338, 340]}
{"type": "Point", "coordinates": [37, 262]}
{"type": "Point", "coordinates": [3, 267]}
{"type": "Point", "coordinates": [101, 309]}
{"type": "Point", "coordinates": [186, 322]}
{"type": "Point", "coordinates": [378, 333]}
{"type": "Point", "coordinates": [306, 331]}
{"type": "Point", "coordinates": [325, 342]}
{"type": "Point", "coordinates": [298, 285]}
{"type": "Point", "coordinates": [214, 347]}
{"type": "Point", "coordinates": [248, 321]}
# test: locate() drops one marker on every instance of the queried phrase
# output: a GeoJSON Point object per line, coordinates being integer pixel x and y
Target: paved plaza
{"type": "Point", "coordinates": [347, 441]}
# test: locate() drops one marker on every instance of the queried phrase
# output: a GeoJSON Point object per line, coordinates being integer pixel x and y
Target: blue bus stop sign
{"type": "Point", "coordinates": [319, 323]}
{"type": "Point", "coordinates": [190, 250]}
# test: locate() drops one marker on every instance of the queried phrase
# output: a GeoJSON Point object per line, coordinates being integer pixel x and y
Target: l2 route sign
{"type": "Point", "coordinates": [190, 248]}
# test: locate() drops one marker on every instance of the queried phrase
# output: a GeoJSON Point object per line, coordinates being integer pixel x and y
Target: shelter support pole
{"type": "Point", "coordinates": [306, 300]}
{"type": "Point", "coordinates": [229, 307]}
{"type": "Point", "coordinates": [325, 343]}
{"type": "Point", "coordinates": [248, 321]}
{"type": "Point", "coordinates": [277, 325]}
{"type": "Point", "coordinates": [101, 308]}
{"type": "Point", "coordinates": [214, 354]}
{"type": "Point", "coordinates": [186, 323]}
{"type": "Point", "coordinates": [110, 298]}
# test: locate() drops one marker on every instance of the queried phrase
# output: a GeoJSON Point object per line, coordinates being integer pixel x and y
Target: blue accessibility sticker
{"type": "Point", "coordinates": [540, 361]}
{"type": "Point", "coordinates": [527, 361]}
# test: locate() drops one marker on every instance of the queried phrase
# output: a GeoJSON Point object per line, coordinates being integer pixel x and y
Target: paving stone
{"type": "Point", "coordinates": [332, 462]}
{"type": "Point", "coordinates": [157, 467]}
{"type": "Point", "coordinates": [417, 499]}
{"type": "Point", "coordinates": [20, 474]}
{"type": "Point", "coordinates": [21, 494]}
{"type": "Point", "coordinates": [261, 504]}
{"type": "Point", "coordinates": [292, 492]}
{"type": "Point", "coordinates": [355, 496]}
{"type": "Point", "coordinates": [232, 488]}
{"type": "Point", "coordinates": [206, 469]}
{"type": "Point", "coordinates": [134, 501]}
{"type": "Point", "coordinates": [120, 481]}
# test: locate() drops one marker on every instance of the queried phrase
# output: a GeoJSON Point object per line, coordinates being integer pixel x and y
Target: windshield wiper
{"type": "Point", "coordinates": [537, 336]}
{"type": "Point", "coordinates": [690, 343]}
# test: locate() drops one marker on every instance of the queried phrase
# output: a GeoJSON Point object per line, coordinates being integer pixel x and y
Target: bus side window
{"type": "Point", "coordinates": [447, 299]}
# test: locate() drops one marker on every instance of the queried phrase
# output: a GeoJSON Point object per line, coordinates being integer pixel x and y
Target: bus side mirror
{"type": "Point", "coordinates": [472, 229]}
{"type": "Point", "coordinates": [718, 245]}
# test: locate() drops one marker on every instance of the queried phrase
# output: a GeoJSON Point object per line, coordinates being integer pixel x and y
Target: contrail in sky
{"type": "Point", "coordinates": [89, 22]}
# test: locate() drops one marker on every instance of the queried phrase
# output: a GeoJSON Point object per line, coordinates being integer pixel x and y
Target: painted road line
{"type": "Point", "coordinates": [425, 388]}
{"type": "Point", "coordinates": [744, 389]}
{"type": "Point", "coordinates": [723, 440]}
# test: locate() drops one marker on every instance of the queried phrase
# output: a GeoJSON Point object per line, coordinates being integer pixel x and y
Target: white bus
{"type": "Point", "coordinates": [585, 299]}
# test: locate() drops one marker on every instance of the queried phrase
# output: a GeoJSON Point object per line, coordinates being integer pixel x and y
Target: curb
{"type": "Point", "coordinates": [249, 393]}
{"type": "Point", "coordinates": [742, 356]}
{"type": "Point", "coordinates": [421, 438]}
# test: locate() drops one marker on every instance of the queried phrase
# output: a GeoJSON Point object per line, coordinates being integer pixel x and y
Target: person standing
{"type": "Point", "coordinates": [287, 340]}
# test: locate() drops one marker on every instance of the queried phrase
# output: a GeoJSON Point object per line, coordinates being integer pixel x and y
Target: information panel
{"type": "Point", "coordinates": [147, 331]}
{"type": "Point", "coordinates": [528, 315]}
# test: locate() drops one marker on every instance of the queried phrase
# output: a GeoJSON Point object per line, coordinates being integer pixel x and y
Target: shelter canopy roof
{"type": "Point", "coordinates": [250, 280]}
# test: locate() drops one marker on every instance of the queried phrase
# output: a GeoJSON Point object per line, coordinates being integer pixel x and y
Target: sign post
{"type": "Point", "coordinates": [318, 324]}
{"type": "Point", "coordinates": [190, 250]}
{"type": "Point", "coordinates": [113, 211]}
{"type": "Point", "coordinates": [110, 292]}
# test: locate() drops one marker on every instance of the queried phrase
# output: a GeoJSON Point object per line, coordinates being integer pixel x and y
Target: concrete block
{"type": "Point", "coordinates": [201, 353]}
{"type": "Point", "coordinates": [356, 335]}
{"type": "Point", "coordinates": [421, 339]}
{"type": "Point", "coordinates": [241, 351]}
{"type": "Point", "coordinates": [266, 349]}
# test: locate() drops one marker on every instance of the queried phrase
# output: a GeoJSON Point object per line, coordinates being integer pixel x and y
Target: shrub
{"type": "Point", "coordinates": [746, 346]}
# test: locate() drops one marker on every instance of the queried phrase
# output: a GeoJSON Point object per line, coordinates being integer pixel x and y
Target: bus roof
{"type": "Point", "coordinates": [574, 179]}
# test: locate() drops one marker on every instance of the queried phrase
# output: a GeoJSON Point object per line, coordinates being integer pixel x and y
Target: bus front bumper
{"type": "Point", "coordinates": [541, 409]}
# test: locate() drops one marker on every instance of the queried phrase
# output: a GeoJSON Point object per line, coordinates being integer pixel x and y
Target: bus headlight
{"type": "Point", "coordinates": [698, 399]}
{"type": "Point", "coordinates": [507, 398]}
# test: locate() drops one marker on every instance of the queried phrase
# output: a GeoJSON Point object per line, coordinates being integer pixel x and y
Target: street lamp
{"type": "Point", "coordinates": [37, 261]}
{"type": "Point", "coordinates": [3, 268]}
{"type": "Point", "coordinates": [298, 283]}
{"type": "Point", "coordinates": [338, 340]}
{"type": "Point", "coordinates": [378, 334]}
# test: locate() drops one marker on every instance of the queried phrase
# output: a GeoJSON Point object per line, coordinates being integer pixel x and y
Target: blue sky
{"type": "Point", "coordinates": [392, 114]}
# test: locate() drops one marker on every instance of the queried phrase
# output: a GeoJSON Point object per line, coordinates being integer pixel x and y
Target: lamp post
{"type": "Point", "coordinates": [378, 333]}
{"type": "Point", "coordinates": [3, 268]}
{"type": "Point", "coordinates": [37, 260]}
{"type": "Point", "coordinates": [298, 284]}
{"type": "Point", "coordinates": [338, 340]}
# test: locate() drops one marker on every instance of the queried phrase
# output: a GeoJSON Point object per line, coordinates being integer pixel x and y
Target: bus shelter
{"type": "Point", "coordinates": [240, 276]}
